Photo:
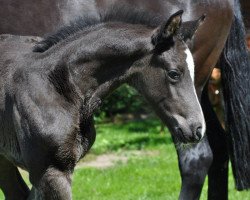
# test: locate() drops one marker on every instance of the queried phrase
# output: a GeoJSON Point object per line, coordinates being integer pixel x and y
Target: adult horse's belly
{"type": "Point", "coordinates": [37, 18]}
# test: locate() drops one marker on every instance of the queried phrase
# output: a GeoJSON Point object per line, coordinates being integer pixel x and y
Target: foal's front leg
{"type": "Point", "coordinates": [11, 182]}
{"type": "Point", "coordinates": [194, 162]}
{"type": "Point", "coordinates": [54, 184]}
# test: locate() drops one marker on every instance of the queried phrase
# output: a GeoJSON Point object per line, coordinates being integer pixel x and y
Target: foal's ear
{"type": "Point", "coordinates": [163, 35]}
{"type": "Point", "coordinates": [188, 29]}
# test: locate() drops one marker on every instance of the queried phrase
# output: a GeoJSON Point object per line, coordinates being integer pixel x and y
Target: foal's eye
{"type": "Point", "coordinates": [174, 75]}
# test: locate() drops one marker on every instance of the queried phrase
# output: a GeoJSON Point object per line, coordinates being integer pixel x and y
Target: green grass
{"type": "Point", "coordinates": [134, 135]}
{"type": "Point", "coordinates": [147, 177]}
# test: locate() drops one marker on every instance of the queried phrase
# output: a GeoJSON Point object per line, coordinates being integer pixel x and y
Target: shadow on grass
{"type": "Point", "coordinates": [141, 126]}
{"type": "Point", "coordinates": [132, 135]}
{"type": "Point", "coordinates": [138, 143]}
{"type": "Point", "coordinates": [148, 141]}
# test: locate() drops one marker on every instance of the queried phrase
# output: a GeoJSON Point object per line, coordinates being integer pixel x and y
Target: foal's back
{"type": "Point", "coordinates": [14, 45]}
{"type": "Point", "coordinates": [12, 51]}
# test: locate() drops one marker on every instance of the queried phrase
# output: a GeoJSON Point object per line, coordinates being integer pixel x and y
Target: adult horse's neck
{"type": "Point", "coordinates": [98, 59]}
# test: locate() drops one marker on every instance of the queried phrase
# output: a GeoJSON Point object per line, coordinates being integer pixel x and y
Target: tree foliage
{"type": "Point", "coordinates": [125, 100]}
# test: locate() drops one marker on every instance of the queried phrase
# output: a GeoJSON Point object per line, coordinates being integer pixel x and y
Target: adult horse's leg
{"type": "Point", "coordinates": [194, 162]}
{"type": "Point", "coordinates": [218, 172]}
{"type": "Point", "coordinates": [235, 73]}
{"type": "Point", "coordinates": [11, 182]}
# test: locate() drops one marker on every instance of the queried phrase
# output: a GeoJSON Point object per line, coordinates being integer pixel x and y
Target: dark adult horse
{"type": "Point", "coordinates": [48, 98]}
{"type": "Point", "coordinates": [220, 40]}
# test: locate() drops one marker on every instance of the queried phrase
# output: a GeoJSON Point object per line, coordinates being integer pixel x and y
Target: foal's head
{"type": "Point", "coordinates": [166, 79]}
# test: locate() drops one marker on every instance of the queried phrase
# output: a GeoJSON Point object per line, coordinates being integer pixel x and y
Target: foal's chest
{"type": "Point", "coordinates": [9, 146]}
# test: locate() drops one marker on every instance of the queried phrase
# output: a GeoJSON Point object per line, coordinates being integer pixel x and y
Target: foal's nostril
{"type": "Point", "coordinates": [180, 133]}
{"type": "Point", "coordinates": [198, 134]}
{"type": "Point", "coordinates": [187, 135]}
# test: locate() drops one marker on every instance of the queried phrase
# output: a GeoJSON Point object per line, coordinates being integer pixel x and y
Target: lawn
{"type": "Point", "coordinates": [145, 176]}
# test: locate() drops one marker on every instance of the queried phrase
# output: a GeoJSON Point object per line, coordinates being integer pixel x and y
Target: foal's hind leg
{"type": "Point", "coordinates": [11, 182]}
{"type": "Point", "coordinates": [194, 162]}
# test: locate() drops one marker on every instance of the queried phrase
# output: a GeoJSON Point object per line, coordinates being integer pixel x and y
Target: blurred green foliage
{"type": "Point", "coordinates": [124, 100]}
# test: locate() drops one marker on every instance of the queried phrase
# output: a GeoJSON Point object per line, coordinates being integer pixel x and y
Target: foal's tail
{"type": "Point", "coordinates": [235, 66]}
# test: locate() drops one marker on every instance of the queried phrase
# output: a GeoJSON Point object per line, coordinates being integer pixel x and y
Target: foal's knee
{"type": "Point", "coordinates": [53, 184]}
{"type": "Point", "coordinates": [196, 163]}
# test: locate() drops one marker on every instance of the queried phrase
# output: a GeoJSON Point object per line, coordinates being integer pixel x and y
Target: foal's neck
{"type": "Point", "coordinates": [99, 77]}
{"type": "Point", "coordinates": [99, 59]}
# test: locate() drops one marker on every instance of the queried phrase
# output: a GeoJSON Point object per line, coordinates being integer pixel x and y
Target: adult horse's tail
{"type": "Point", "coordinates": [235, 66]}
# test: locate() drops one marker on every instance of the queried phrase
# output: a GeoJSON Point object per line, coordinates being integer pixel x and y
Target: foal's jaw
{"type": "Point", "coordinates": [185, 127]}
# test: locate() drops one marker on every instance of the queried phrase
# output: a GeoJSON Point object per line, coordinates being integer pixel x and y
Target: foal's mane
{"type": "Point", "coordinates": [116, 13]}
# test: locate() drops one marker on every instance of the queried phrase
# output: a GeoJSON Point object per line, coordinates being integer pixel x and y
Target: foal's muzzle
{"type": "Point", "coordinates": [189, 133]}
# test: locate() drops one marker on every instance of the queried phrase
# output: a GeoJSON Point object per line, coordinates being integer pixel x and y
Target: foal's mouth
{"type": "Point", "coordinates": [180, 135]}
{"type": "Point", "coordinates": [162, 100]}
{"type": "Point", "coordinates": [183, 138]}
